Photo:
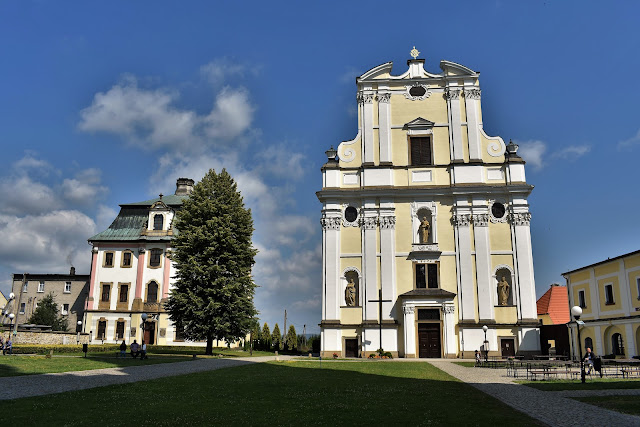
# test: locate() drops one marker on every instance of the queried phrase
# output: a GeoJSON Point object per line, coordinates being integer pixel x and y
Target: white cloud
{"type": "Point", "coordinates": [85, 188]}
{"type": "Point", "coordinates": [149, 119]}
{"type": "Point", "coordinates": [533, 152]}
{"type": "Point", "coordinates": [279, 161]}
{"type": "Point", "coordinates": [572, 152]}
{"type": "Point", "coordinates": [218, 70]}
{"type": "Point", "coordinates": [105, 217]}
{"type": "Point", "coordinates": [20, 195]}
{"type": "Point", "coordinates": [630, 143]}
{"type": "Point", "coordinates": [312, 303]}
{"type": "Point", "coordinates": [49, 242]}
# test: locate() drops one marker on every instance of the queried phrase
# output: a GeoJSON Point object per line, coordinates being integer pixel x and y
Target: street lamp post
{"type": "Point", "coordinates": [144, 320]}
{"type": "Point", "coordinates": [577, 312]}
{"type": "Point", "coordinates": [485, 328]}
{"type": "Point", "coordinates": [11, 317]}
{"type": "Point", "coordinates": [78, 331]}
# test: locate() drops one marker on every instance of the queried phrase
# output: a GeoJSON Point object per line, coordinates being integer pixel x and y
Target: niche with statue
{"type": "Point", "coordinates": [352, 289]}
{"type": "Point", "coordinates": [425, 220]}
{"type": "Point", "coordinates": [504, 287]}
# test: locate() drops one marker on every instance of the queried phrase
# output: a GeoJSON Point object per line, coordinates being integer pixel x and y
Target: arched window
{"type": "Point", "coordinates": [152, 292]}
{"type": "Point", "coordinates": [617, 345]}
{"type": "Point", "coordinates": [158, 221]}
{"type": "Point", "coordinates": [588, 343]}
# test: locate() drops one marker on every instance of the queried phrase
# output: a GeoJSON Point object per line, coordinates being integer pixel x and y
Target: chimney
{"type": "Point", "coordinates": [184, 186]}
{"type": "Point", "coordinates": [72, 271]}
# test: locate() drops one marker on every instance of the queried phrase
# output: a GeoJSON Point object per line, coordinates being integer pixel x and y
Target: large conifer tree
{"type": "Point", "coordinates": [46, 313]}
{"type": "Point", "coordinates": [213, 255]}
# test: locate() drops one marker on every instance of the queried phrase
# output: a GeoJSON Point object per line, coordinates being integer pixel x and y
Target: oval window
{"type": "Point", "coordinates": [498, 210]}
{"type": "Point", "coordinates": [417, 91]}
{"type": "Point", "coordinates": [351, 214]}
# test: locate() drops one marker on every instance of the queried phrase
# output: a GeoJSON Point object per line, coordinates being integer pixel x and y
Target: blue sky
{"type": "Point", "coordinates": [109, 103]}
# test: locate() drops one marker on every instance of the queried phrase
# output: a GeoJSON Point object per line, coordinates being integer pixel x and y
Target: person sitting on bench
{"type": "Point", "coordinates": [135, 349]}
{"type": "Point", "coordinates": [588, 360]}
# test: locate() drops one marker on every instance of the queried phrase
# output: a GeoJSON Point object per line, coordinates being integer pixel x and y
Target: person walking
{"type": "Point", "coordinates": [143, 353]}
{"type": "Point", "coordinates": [8, 346]}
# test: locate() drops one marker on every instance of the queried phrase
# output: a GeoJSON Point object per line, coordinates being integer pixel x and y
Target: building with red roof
{"type": "Point", "coordinates": [553, 306]}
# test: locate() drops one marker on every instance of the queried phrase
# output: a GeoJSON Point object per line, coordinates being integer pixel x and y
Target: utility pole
{"type": "Point", "coordinates": [284, 331]}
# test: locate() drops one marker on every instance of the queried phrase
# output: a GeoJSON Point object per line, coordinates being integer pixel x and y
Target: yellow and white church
{"type": "Point", "coordinates": [425, 225]}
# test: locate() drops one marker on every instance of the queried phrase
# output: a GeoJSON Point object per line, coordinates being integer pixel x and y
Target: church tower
{"type": "Point", "coordinates": [425, 225]}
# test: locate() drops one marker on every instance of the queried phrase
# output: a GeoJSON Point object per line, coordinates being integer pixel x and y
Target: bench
{"type": "Point", "coordinates": [627, 371]}
{"type": "Point", "coordinates": [545, 373]}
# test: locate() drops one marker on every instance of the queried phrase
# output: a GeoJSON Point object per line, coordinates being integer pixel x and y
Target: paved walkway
{"type": "Point", "coordinates": [38, 385]}
{"type": "Point", "coordinates": [552, 408]}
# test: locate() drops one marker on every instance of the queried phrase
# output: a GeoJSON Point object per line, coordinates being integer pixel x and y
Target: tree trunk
{"type": "Point", "coordinates": [209, 350]}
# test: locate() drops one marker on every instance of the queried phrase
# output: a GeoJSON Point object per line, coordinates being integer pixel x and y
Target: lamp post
{"type": "Point", "coordinates": [11, 317]}
{"type": "Point", "coordinates": [485, 328]}
{"type": "Point", "coordinates": [577, 312]}
{"type": "Point", "coordinates": [78, 331]}
{"type": "Point", "coordinates": [144, 320]}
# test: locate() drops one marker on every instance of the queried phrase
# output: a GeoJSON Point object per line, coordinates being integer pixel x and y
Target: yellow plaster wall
{"type": "Point", "coordinates": [448, 274]}
{"type": "Point", "coordinates": [608, 332]}
{"type": "Point", "coordinates": [442, 153]}
{"type": "Point", "coordinates": [403, 227]}
{"type": "Point", "coordinates": [446, 241]}
{"type": "Point", "coordinates": [506, 314]}
{"type": "Point", "coordinates": [608, 268]}
{"type": "Point", "coordinates": [350, 240]}
{"type": "Point", "coordinates": [400, 147]}
{"type": "Point", "coordinates": [579, 276]}
{"type": "Point", "coordinates": [500, 236]}
{"type": "Point", "coordinates": [497, 260]}
{"type": "Point", "coordinates": [632, 261]}
{"type": "Point", "coordinates": [486, 157]}
{"type": "Point", "coordinates": [350, 315]}
{"type": "Point", "coordinates": [404, 110]}
{"type": "Point", "coordinates": [635, 298]}
{"type": "Point", "coordinates": [545, 319]}
{"type": "Point", "coordinates": [349, 333]}
{"type": "Point", "coordinates": [357, 148]}
{"type": "Point", "coordinates": [404, 275]}
{"type": "Point", "coordinates": [616, 294]}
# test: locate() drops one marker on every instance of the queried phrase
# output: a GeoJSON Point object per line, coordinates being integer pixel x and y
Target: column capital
{"type": "Point", "coordinates": [520, 218]}
{"type": "Point", "coordinates": [408, 309]}
{"type": "Point", "coordinates": [480, 220]}
{"type": "Point", "coordinates": [369, 223]}
{"type": "Point", "coordinates": [452, 93]}
{"type": "Point", "coordinates": [472, 93]}
{"type": "Point", "coordinates": [462, 220]}
{"type": "Point", "coordinates": [364, 98]}
{"type": "Point", "coordinates": [330, 223]}
{"type": "Point", "coordinates": [383, 98]}
{"type": "Point", "coordinates": [387, 222]}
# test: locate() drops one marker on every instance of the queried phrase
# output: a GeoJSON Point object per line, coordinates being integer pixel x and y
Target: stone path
{"type": "Point", "coordinates": [552, 408]}
{"type": "Point", "coordinates": [38, 385]}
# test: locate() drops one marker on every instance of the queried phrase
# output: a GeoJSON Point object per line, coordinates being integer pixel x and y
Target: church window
{"type": "Point", "coordinates": [498, 210]}
{"type": "Point", "coordinates": [581, 300]}
{"type": "Point", "coordinates": [108, 259]}
{"type": "Point", "coordinates": [350, 214]}
{"type": "Point", "coordinates": [152, 292]}
{"type": "Point", "coordinates": [426, 276]}
{"type": "Point", "coordinates": [106, 292]}
{"type": "Point", "coordinates": [608, 295]}
{"type": "Point", "coordinates": [158, 221]}
{"type": "Point", "coordinates": [155, 257]}
{"type": "Point", "coordinates": [127, 256]}
{"type": "Point", "coordinates": [420, 151]}
{"type": "Point", "coordinates": [428, 314]}
{"type": "Point", "coordinates": [588, 343]}
{"type": "Point", "coordinates": [417, 91]}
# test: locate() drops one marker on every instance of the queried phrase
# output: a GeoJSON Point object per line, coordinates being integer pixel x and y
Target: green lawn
{"type": "Point", "coordinates": [279, 393]}
{"type": "Point", "coordinates": [624, 404]}
{"type": "Point", "coordinates": [599, 384]}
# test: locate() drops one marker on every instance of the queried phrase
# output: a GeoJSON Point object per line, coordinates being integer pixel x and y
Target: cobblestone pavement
{"type": "Point", "coordinates": [38, 385]}
{"type": "Point", "coordinates": [552, 408]}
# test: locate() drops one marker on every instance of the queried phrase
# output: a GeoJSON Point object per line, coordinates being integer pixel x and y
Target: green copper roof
{"type": "Point", "coordinates": [132, 219]}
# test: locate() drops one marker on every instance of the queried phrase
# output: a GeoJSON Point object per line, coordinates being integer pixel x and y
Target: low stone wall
{"type": "Point", "coordinates": [49, 337]}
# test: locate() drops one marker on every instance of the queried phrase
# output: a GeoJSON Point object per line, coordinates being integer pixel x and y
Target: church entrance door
{"type": "Point", "coordinates": [429, 340]}
{"type": "Point", "coordinates": [508, 348]}
{"type": "Point", "coordinates": [149, 333]}
{"type": "Point", "coordinates": [351, 347]}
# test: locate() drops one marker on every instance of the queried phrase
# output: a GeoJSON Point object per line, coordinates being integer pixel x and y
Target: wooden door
{"type": "Point", "coordinates": [351, 347]}
{"type": "Point", "coordinates": [149, 333]}
{"type": "Point", "coordinates": [508, 347]}
{"type": "Point", "coordinates": [429, 340]}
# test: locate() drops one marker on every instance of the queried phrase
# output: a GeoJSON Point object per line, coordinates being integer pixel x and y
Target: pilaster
{"type": "Point", "coordinates": [387, 257]}
{"type": "Point", "coordinates": [409, 330]}
{"type": "Point", "coordinates": [483, 263]}
{"type": "Point", "coordinates": [384, 125]}
{"type": "Point", "coordinates": [452, 94]}
{"type": "Point", "coordinates": [526, 283]}
{"type": "Point", "coordinates": [462, 232]}
{"type": "Point", "coordinates": [471, 101]}
{"type": "Point", "coordinates": [330, 274]}
{"type": "Point", "coordinates": [365, 99]}
{"type": "Point", "coordinates": [369, 224]}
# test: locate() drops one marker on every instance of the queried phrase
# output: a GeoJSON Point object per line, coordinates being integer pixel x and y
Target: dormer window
{"type": "Point", "coordinates": [158, 221]}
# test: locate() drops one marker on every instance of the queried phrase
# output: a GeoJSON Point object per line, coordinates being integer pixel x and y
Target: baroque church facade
{"type": "Point", "coordinates": [425, 223]}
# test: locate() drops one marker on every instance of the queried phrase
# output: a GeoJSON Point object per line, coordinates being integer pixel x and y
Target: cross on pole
{"type": "Point", "coordinates": [380, 301]}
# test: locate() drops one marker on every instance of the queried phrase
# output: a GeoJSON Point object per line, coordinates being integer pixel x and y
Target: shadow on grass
{"type": "Point", "coordinates": [300, 393]}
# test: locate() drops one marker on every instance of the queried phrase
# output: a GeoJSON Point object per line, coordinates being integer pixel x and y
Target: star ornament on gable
{"type": "Point", "coordinates": [414, 52]}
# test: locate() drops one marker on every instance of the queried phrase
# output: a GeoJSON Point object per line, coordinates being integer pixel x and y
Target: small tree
{"type": "Point", "coordinates": [255, 336]}
{"type": "Point", "coordinates": [292, 338]}
{"type": "Point", "coordinates": [46, 313]}
{"type": "Point", "coordinates": [276, 338]}
{"type": "Point", "coordinates": [265, 338]}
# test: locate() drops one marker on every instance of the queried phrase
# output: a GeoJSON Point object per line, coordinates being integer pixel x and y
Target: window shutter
{"type": "Point", "coordinates": [420, 151]}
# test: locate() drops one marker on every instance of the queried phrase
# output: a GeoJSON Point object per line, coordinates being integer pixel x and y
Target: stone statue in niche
{"type": "Point", "coordinates": [503, 291]}
{"type": "Point", "coordinates": [424, 230]}
{"type": "Point", "coordinates": [350, 293]}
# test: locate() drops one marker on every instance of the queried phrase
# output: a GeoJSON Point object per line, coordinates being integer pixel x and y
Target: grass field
{"type": "Point", "coordinates": [30, 365]}
{"type": "Point", "coordinates": [624, 404]}
{"type": "Point", "coordinates": [284, 393]}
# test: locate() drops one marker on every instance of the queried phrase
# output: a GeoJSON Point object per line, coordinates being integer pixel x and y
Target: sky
{"type": "Point", "coordinates": [103, 103]}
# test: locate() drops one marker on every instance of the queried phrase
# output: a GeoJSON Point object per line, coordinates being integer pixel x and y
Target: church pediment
{"type": "Point", "coordinates": [159, 205]}
{"type": "Point", "coordinates": [429, 293]}
{"type": "Point", "coordinates": [418, 123]}
{"type": "Point", "coordinates": [453, 69]}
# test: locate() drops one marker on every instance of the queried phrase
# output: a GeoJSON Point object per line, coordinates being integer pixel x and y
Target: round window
{"type": "Point", "coordinates": [498, 210]}
{"type": "Point", "coordinates": [351, 214]}
{"type": "Point", "coordinates": [417, 91]}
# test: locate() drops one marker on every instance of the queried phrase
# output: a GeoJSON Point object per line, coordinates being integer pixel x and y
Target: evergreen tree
{"type": "Point", "coordinates": [255, 335]}
{"type": "Point", "coordinates": [266, 337]}
{"type": "Point", "coordinates": [276, 338]}
{"type": "Point", "coordinates": [46, 313]}
{"type": "Point", "coordinates": [213, 256]}
{"type": "Point", "coordinates": [292, 338]}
